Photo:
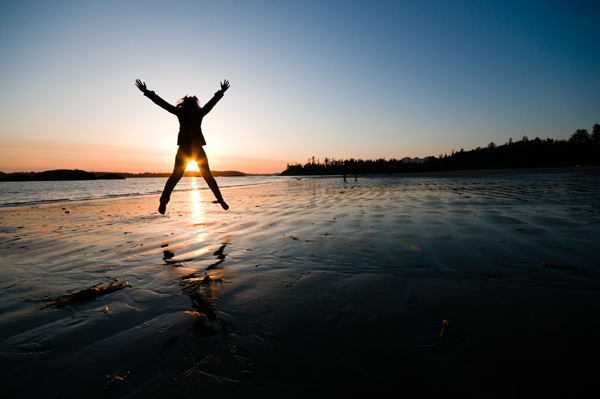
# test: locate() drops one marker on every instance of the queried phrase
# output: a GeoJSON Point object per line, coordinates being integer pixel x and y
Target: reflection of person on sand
{"type": "Point", "coordinates": [190, 139]}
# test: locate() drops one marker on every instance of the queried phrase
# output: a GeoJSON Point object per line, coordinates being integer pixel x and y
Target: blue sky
{"type": "Point", "coordinates": [337, 79]}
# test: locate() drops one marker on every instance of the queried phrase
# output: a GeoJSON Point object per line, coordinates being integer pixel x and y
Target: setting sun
{"type": "Point", "coordinates": [192, 166]}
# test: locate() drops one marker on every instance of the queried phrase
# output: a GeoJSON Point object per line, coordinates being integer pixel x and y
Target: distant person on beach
{"type": "Point", "coordinates": [190, 139]}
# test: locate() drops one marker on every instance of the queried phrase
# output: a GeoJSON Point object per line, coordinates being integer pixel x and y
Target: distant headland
{"type": "Point", "coordinates": [69, 174]}
{"type": "Point", "coordinates": [58, 175]}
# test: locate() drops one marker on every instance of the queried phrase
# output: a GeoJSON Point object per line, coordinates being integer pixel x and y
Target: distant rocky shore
{"type": "Point", "coordinates": [60, 174]}
{"type": "Point", "coordinates": [69, 174]}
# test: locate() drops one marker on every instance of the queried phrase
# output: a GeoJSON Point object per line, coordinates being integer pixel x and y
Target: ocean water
{"type": "Point", "coordinates": [43, 192]}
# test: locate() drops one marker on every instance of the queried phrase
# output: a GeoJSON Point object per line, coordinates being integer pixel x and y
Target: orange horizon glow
{"type": "Point", "coordinates": [27, 155]}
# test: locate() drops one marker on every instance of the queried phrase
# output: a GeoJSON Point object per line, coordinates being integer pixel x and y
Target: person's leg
{"type": "Point", "coordinates": [202, 162]}
{"type": "Point", "coordinates": [180, 165]}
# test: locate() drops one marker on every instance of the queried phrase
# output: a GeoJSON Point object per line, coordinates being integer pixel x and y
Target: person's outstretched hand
{"type": "Point", "coordinates": [141, 85]}
{"type": "Point", "coordinates": [224, 86]}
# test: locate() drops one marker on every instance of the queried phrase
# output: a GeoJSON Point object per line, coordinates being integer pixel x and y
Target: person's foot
{"type": "Point", "coordinates": [162, 208]}
{"type": "Point", "coordinates": [223, 204]}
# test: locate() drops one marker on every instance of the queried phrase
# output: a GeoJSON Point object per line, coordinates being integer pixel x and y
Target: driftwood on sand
{"type": "Point", "coordinates": [86, 294]}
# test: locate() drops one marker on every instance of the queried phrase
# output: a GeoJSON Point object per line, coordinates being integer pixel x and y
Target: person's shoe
{"type": "Point", "coordinates": [162, 208]}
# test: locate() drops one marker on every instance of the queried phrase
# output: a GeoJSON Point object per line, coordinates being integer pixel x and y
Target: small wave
{"type": "Point", "coordinates": [33, 202]}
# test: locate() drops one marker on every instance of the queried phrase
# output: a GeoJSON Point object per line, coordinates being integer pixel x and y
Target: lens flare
{"type": "Point", "coordinates": [413, 247]}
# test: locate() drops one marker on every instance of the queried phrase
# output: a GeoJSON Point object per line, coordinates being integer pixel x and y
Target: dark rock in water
{"type": "Point", "coordinates": [16, 178]}
{"type": "Point", "coordinates": [64, 174]}
{"type": "Point", "coordinates": [110, 176]}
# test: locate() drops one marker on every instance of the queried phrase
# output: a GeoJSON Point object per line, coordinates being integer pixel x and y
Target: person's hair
{"type": "Point", "coordinates": [189, 102]}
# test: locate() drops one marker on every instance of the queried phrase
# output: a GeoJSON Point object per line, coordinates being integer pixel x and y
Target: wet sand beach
{"type": "Point", "coordinates": [310, 287]}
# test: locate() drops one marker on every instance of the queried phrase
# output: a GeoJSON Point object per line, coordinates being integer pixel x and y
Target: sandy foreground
{"type": "Point", "coordinates": [314, 287]}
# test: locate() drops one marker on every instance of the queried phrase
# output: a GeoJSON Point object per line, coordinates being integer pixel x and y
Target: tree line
{"type": "Point", "coordinates": [582, 148]}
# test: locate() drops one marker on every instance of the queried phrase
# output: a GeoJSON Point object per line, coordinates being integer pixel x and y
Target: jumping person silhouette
{"type": "Point", "coordinates": [190, 139]}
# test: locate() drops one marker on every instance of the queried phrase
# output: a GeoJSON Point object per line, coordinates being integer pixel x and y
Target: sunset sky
{"type": "Point", "coordinates": [338, 79]}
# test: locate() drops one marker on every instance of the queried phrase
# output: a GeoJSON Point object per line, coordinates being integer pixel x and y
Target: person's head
{"type": "Point", "coordinates": [189, 103]}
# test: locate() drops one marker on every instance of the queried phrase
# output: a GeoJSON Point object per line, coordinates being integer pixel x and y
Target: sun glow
{"type": "Point", "coordinates": [192, 166]}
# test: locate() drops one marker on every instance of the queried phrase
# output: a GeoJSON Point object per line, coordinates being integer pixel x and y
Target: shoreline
{"type": "Point", "coordinates": [473, 173]}
{"type": "Point", "coordinates": [444, 174]}
{"type": "Point", "coordinates": [118, 196]}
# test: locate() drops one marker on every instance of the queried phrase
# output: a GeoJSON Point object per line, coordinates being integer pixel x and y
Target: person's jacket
{"type": "Point", "coordinates": [190, 131]}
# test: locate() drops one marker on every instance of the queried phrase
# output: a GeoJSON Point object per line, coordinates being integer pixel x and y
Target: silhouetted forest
{"type": "Point", "coordinates": [582, 148]}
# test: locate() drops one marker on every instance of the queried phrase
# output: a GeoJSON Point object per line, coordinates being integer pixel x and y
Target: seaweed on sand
{"type": "Point", "coordinates": [115, 379]}
{"type": "Point", "coordinates": [86, 294]}
{"type": "Point", "coordinates": [198, 302]}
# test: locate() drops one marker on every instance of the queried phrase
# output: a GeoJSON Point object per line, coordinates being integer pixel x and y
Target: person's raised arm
{"type": "Point", "coordinates": [154, 97]}
{"type": "Point", "coordinates": [218, 95]}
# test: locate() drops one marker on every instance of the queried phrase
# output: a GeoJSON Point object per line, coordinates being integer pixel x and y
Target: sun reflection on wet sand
{"type": "Point", "coordinates": [197, 211]}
